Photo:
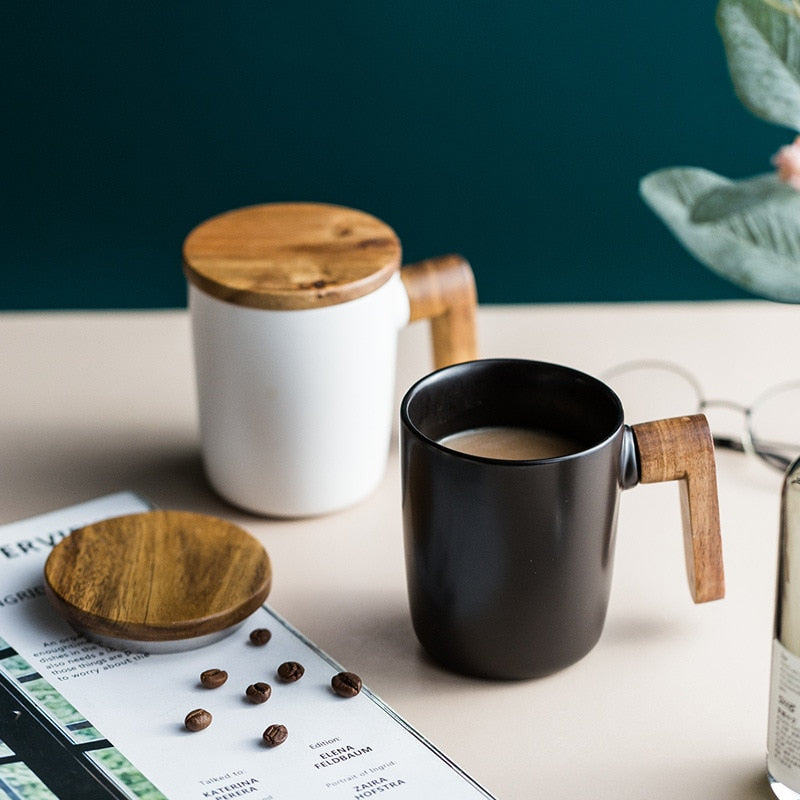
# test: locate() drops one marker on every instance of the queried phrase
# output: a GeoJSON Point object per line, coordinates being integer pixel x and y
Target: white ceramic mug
{"type": "Point", "coordinates": [295, 313]}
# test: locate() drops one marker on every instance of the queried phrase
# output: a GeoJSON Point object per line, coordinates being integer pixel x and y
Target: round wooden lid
{"type": "Point", "coordinates": [290, 255]}
{"type": "Point", "coordinates": [158, 577]}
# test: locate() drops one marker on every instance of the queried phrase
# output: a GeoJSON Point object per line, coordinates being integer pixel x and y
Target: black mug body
{"type": "Point", "coordinates": [509, 562]}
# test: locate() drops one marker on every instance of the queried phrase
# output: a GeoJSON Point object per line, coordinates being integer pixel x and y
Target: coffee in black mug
{"type": "Point", "coordinates": [511, 475]}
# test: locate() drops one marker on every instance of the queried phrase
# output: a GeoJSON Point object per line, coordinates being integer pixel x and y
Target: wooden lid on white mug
{"type": "Point", "coordinates": [290, 255]}
{"type": "Point", "coordinates": [160, 581]}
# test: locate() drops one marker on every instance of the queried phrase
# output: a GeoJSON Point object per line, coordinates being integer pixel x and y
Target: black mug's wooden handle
{"type": "Point", "coordinates": [682, 449]}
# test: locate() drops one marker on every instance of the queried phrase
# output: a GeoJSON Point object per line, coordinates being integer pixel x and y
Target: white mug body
{"type": "Point", "coordinates": [296, 406]}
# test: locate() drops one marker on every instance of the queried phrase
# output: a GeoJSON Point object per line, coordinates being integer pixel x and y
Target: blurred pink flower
{"type": "Point", "coordinates": [787, 161]}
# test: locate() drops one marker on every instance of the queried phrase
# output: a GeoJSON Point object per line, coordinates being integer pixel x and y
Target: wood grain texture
{"type": "Point", "coordinates": [442, 289]}
{"type": "Point", "coordinates": [158, 576]}
{"type": "Point", "coordinates": [290, 255]}
{"type": "Point", "coordinates": [681, 449]}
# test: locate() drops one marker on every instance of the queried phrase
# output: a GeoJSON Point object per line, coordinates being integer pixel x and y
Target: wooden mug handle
{"type": "Point", "coordinates": [682, 449]}
{"type": "Point", "coordinates": [442, 289]}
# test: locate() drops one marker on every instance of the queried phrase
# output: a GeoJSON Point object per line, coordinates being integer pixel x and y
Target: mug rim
{"type": "Point", "coordinates": [464, 366]}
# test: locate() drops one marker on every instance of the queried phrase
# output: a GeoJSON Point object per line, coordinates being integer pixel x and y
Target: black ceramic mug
{"type": "Point", "coordinates": [509, 559]}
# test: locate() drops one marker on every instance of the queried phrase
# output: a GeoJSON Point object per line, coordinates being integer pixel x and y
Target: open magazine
{"type": "Point", "coordinates": [81, 721]}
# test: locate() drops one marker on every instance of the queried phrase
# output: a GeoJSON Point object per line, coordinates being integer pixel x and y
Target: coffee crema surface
{"type": "Point", "coordinates": [511, 443]}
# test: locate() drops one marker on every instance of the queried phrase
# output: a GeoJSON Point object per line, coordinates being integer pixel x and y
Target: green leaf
{"type": "Point", "coordinates": [754, 245]}
{"type": "Point", "coordinates": [739, 197]}
{"type": "Point", "coordinates": [762, 45]}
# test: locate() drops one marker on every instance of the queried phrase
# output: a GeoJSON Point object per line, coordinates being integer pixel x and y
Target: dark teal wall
{"type": "Point", "coordinates": [511, 131]}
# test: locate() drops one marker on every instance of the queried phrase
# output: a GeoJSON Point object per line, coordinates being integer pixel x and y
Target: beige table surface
{"type": "Point", "coordinates": [672, 702]}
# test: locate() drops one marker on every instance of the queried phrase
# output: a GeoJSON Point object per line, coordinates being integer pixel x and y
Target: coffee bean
{"type": "Point", "coordinates": [346, 684]}
{"type": "Point", "coordinates": [275, 735]}
{"type": "Point", "coordinates": [197, 720]}
{"type": "Point", "coordinates": [260, 636]}
{"type": "Point", "coordinates": [213, 678]}
{"type": "Point", "coordinates": [258, 692]}
{"type": "Point", "coordinates": [290, 671]}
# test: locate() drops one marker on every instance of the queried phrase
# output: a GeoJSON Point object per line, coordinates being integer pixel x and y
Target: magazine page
{"type": "Point", "coordinates": [79, 720]}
